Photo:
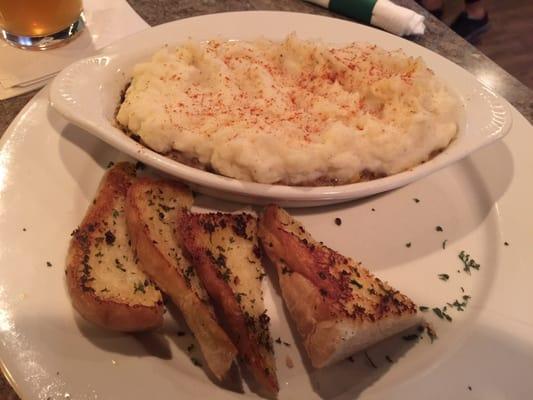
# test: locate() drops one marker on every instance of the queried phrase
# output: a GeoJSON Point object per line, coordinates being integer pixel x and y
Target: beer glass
{"type": "Point", "coordinates": [40, 24]}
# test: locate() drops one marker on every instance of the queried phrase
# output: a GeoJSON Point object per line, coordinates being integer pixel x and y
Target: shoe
{"type": "Point", "coordinates": [470, 28]}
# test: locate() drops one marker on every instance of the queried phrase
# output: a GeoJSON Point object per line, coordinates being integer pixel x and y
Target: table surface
{"type": "Point", "coordinates": [438, 37]}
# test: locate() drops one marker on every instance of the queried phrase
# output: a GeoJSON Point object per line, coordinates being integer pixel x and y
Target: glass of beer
{"type": "Point", "coordinates": [40, 24]}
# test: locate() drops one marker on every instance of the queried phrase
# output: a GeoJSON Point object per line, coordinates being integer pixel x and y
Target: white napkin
{"type": "Point", "coordinates": [396, 19]}
{"type": "Point", "coordinates": [381, 13]}
{"type": "Point", "coordinates": [25, 70]}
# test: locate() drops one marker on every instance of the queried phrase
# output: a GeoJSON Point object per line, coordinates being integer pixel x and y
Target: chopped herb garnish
{"type": "Point", "coordinates": [438, 312]}
{"type": "Point", "coordinates": [119, 265]}
{"type": "Point", "coordinates": [23, 229]}
{"type": "Point", "coordinates": [287, 344]}
{"type": "Point", "coordinates": [238, 297]}
{"type": "Point", "coordinates": [468, 262]}
{"type": "Point", "coordinates": [48, 264]}
{"type": "Point", "coordinates": [423, 308]}
{"type": "Point", "coordinates": [115, 213]}
{"type": "Point", "coordinates": [110, 164]}
{"type": "Point", "coordinates": [354, 282]}
{"type": "Point", "coordinates": [373, 209]}
{"type": "Point", "coordinates": [286, 270]}
{"type": "Point", "coordinates": [431, 333]}
{"type": "Point", "coordinates": [410, 337]}
{"type": "Point", "coordinates": [109, 238]}
{"type": "Point", "coordinates": [444, 277]}
{"type": "Point", "coordinates": [104, 290]}
{"type": "Point", "coordinates": [459, 306]}
{"type": "Point", "coordinates": [196, 362]}
{"type": "Point", "coordinates": [470, 388]}
{"type": "Point", "coordinates": [338, 221]}
{"type": "Point", "coordinates": [278, 340]}
{"type": "Point", "coordinates": [408, 244]}
{"type": "Point", "coordinates": [138, 287]}
{"type": "Point", "coordinates": [438, 228]}
{"type": "Point", "coordinates": [166, 208]}
{"type": "Point", "coordinates": [370, 360]}
{"type": "Point", "coordinates": [444, 244]}
{"type": "Point", "coordinates": [462, 289]}
{"type": "Point", "coordinates": [416, 200]}
{"type": "Point", "coordinates": [505, 243]}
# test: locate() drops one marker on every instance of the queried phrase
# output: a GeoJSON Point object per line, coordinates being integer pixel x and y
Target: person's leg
{"type": "Point", "coordinates": [473, 21]}
{"type": "Point", "coordinates": [475, 9]}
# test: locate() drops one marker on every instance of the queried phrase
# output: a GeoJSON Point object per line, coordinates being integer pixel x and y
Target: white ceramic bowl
{"type": "Point", "coordinates": [88, 91]}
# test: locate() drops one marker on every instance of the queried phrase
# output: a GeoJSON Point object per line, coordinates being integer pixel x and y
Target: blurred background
{"type": "Point", "coordinates": [509, 39]}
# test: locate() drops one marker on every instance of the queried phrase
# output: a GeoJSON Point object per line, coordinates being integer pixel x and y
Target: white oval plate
{"type": "Point", "coordinates": [49, 172]}
{"type": "Point", "coordinates": [50, 169]}
{"type": "Point", "coordinates": [87, 93]}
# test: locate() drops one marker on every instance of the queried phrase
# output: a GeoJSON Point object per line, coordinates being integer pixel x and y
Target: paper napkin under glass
{"type": "Point", "coordinates": [25, 70]}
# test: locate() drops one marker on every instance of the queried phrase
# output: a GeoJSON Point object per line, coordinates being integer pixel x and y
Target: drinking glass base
{"type": "Point", "coordinates": [45, 42]}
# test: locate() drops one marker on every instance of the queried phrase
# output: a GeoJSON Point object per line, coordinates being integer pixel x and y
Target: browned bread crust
{"type": "Point", "coordinates": [152, 207]}
{"type": "Point", "coordinates": [338, 306]}
{"type": "Point", "coordinates": [225, 252]}
{"type": "Point", "coordinates": [104, 282]}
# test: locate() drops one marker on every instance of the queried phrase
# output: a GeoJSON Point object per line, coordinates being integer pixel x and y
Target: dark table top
{"type": "Point", "coordinates": [438, 37]}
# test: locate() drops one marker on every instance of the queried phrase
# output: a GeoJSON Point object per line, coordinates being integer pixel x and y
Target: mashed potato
{"type": "Point", "coordinates": [293, 112]}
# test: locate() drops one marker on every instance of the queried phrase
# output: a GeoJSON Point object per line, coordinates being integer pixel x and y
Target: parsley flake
{"type": "Point", "coordinates": [138, 287]}
{"type": "Point", "coordinates": [370, 360]}
{"type": "Point", "coordinates": [196, 362]}
{"type": "Point", "coordinates": [354, 282]}
{"type": "Point", "coordinates": [109, 238]}
{"type": "Point", "coordinates": [468, 262]}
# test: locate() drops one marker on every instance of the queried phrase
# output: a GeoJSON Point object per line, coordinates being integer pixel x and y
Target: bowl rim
{"type": "Point", "coordinates": [62, 99]}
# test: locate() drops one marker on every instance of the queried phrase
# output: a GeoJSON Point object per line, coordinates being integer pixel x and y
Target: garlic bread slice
{"type": "Point", "coordinates": [338, 306]}
{"type": "Point", "coordinates": [225, 252]}
{"type": "Point", "coordinates": [104, 280]}
{"type": "Point", "coordinates": [152, 208]}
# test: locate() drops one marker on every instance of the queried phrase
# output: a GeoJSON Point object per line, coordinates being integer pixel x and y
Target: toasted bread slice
{"type": "Point", "coordinates": [338, 306]}
{"type": "Point", "coordinates": [152, 207]}
{"type": "Point", "coordinates": [225, 253]}
{"type": "Point", "coordinates": [103, 276]}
